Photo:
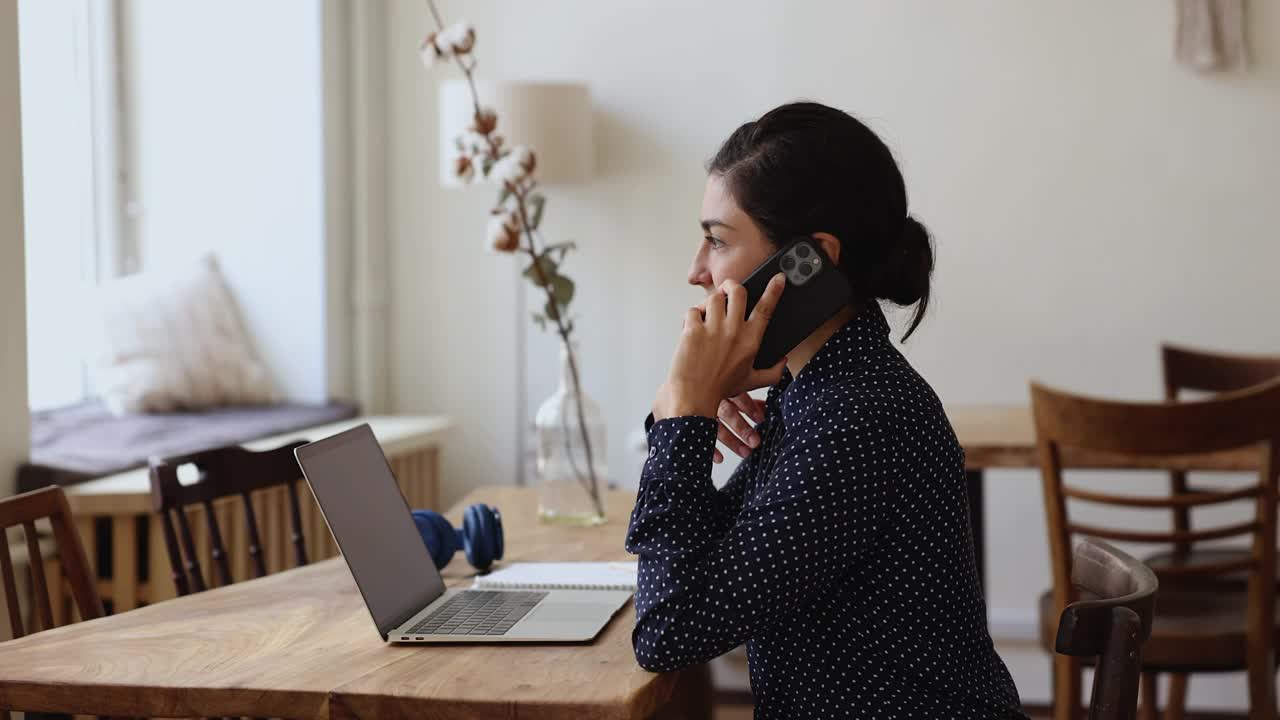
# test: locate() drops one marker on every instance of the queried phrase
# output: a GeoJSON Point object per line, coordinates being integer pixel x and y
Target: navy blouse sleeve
{"type": "Point", "coordinates": [726, 503]}
{"type": "Point", "coordinates": [703, 592]}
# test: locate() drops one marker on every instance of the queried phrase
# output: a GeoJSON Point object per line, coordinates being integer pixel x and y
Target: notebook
{"type": "Point", "coordinates": [561, 576]}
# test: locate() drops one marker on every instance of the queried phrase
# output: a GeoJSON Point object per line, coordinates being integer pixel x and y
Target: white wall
{"type": "Point", "coordinates": [225, 107]}
{"type": "Point", "coordinates": [15, 430]}
{"type": "Point", "coordinates": [1090, 198]}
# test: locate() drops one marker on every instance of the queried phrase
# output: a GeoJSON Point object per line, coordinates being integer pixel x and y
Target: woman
{"type": "Point", "coordinates": [840, 550]}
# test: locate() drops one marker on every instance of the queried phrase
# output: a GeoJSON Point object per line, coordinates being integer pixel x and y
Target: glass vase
{"type": "Point", "coordinates": [565, 463]}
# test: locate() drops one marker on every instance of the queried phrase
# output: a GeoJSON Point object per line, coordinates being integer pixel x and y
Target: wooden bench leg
{"type": "Point", "coordinates": [124, 563]}
{"type": "Point", "coordinates": [84, 528]}
{"type": "Point", "coordinates": [57, 593]}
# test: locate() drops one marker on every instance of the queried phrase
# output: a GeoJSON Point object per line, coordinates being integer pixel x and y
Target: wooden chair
{"type": "Point", "coordinates": [1111, 627]}
{"type": "Point", "coordinates": [223, 472]}
{"type": "Point", "coordinates": [25, 510]}
{"type": "Point", "coordinates": [1185, 370]}
{"type": "Point", "coordinates": [1195, 629]}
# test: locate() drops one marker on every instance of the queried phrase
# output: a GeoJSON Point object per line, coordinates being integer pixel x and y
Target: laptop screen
{"type": "Point", "coordinates": [370, 520]}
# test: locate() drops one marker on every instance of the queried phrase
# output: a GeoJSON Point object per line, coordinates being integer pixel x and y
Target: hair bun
{"type": "Point", "coordinates": [910, 264]}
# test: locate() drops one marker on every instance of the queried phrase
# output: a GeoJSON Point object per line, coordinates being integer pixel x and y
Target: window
{"type": "Point", "coordinates": [66, 51]}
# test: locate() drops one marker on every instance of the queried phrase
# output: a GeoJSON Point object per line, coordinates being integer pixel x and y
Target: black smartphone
{"type": "Point", "coordinates": [816, 290]}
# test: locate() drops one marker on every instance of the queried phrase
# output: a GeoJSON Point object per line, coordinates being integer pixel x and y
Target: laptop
{"type": "Point", "coordinates": [369, 518]}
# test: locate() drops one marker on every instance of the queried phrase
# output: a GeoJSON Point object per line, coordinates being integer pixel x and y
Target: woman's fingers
{"type": "Point", "coordinates": [736, 303]}
{"type": "Point", "coordinates": [692, 318]}
{"type": "Point", "coordinates": [734, 431]}
{"type": "Point", "coordinates": [749, 406]}
{"type": "Point", "coordinates": [731, 441]}
{"type": "Point", "coordinates": [767, 376]}
{"type": "Point", "coordinates": [717, 457]}
{"type": "Point", "coordinates": [763, 310]}
{"type": "Point", "coordinates": [715, 310]}
{"type": "Point", "coordinates": [733, 418]}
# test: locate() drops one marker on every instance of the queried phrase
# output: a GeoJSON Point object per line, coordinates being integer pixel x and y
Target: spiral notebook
{"type": "Point", "coordinates": [561, 576]}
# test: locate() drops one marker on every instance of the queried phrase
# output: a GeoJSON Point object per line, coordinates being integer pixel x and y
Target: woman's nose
{"type": "Point", "coordinates": [698, 273]}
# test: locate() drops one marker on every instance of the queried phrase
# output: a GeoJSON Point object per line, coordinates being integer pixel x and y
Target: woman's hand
{"type": "Point", "coordinates": [713, 360]}
{"type": "Point", "coordinates": [736, 431]}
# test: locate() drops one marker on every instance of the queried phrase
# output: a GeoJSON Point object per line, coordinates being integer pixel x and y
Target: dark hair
{"type": "Point", "coordinates": [804, 168]}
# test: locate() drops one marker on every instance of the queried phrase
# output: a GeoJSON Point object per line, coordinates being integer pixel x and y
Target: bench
{"type": "Point", "coordinates": [113, 514]}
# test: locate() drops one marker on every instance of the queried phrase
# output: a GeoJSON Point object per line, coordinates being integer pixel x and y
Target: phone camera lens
{"type": "Point", "coordinates": [788, 262]}
{"type": "Point", "coordinates": [802, 251]}
{"type": "Point", "coordinates": [806, 269]}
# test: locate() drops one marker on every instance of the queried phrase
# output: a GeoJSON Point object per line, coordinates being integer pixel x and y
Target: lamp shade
{"type": "Point", "coordinates": [554, 119]}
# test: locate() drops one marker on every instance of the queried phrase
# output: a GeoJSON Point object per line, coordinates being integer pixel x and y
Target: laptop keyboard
{"type": "Point", "coordinates": [478, 612]}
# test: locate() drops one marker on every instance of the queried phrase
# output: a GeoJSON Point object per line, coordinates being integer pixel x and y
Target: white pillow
{"type": "Point", "coordinates": [170, 339]}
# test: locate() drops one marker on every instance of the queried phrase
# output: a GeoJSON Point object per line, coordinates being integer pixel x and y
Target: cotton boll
{"type": "Point", "coordinates": [515, 167]}
{"type": "Point", "coordinates": [503, 232]}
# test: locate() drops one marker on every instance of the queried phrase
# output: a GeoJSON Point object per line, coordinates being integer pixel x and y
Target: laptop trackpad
{"type": "Point", "coordinates": [565, 612]}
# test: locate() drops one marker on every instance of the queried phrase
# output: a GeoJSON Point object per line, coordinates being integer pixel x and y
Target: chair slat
{"type": "Point", "coordinates": [255, 540]}
{"type": "Point", "coordinates": [1182, 500]}
{"type": "Point", "coordinates": [1206, 569]}
{"type": "Point", "coordinates": [39, 583]}
{"type": "Point", "coordinates": [10, 587]}
{"type": "Point", "coordinates": [220, 564]}
{"type": "Point", "coordinates": [176, 568]}
{"type": "Point", "coordinates": [295, 521]}
{"type": "Point", "coordinates": [194, 573]}
{"type": "Point", "coordinates": [1247, 528]}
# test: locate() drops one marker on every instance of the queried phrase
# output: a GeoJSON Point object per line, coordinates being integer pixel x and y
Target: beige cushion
{"type": "Point", "coordinates": [171, 339]}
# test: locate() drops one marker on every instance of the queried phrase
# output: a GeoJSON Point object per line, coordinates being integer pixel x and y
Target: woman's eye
{"type": "Point", "coordinates": [714, 242]}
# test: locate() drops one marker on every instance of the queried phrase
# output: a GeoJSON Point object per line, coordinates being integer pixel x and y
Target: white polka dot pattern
{"type": "Point", "coordinates": [839, 551]}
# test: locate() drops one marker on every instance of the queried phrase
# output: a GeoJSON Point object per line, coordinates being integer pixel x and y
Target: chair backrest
{"type": "Point", "coordinates": [1110, 627]}
{"type": "Point", "coordinates": [222, 472]}
{"type": "Point", "coordinates": [1187, 369]}
{"type": "Point", "coordinates": [25, 510]}
{"type": "Point", "coordinates": [1239, 419]}
{"type": "Point", "coordinates": [1200, 370]}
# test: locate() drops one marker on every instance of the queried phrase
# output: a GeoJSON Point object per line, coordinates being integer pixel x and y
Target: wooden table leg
{"type": "Point", "coordinates": [160, 573]}
{"type": "Point", "coordinates": [339, 711]}
{"type": "Point", "coordinates": [692, 698]}
{"type": "Point", "coordinates": [124, 563]}
{"type": "Point", "coordinates": [977, 525]}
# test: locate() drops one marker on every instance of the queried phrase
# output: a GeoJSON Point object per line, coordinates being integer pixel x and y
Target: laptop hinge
{"type": "Point", "coordinates": [397, 623]}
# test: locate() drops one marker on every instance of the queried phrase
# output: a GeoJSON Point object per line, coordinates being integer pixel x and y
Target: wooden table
{"type": "Point", "coordinates": [137, 571]}
{"type": "Point", "coordinates": [300, 644]}
{"type": "Point", "coordinates": [1004, 436]}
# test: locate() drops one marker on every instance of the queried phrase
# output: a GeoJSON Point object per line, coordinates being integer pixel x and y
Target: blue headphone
{"type": "Point", "coordinates": [480, 536]}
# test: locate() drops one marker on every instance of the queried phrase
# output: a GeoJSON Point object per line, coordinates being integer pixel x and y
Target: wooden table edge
{"type": "Point", "coordinates": [638, 704]}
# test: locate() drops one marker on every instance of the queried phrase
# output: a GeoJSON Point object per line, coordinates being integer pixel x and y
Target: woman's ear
{"type": "Point", "coordinates": [829, 244]}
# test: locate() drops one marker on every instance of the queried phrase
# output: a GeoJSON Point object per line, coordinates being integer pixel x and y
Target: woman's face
{"type": "Point", "coordinates": [732, 244]}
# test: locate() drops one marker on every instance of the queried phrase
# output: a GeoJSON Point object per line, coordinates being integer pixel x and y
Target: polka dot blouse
{"type": "Point", "coordinates": [839, 551]}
